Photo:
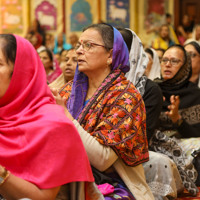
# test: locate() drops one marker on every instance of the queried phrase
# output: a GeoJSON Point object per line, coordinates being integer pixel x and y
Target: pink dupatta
{"type": "Point", "coordinates": [38, 142]}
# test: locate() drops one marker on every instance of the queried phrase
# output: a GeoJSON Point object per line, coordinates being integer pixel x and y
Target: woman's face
{"type": "Point", "coordinates": [172, 61]}
{"type": "Point", "coordinates": [6, 70]}
{"type": "Point", "coordinates": [95, 60]}
{"type": "Point", "coordinates": [164, 32]}
{"type": "Point", "coordinates": [69, 65]}
{"type": "Point", "coordinates": [149, 65]}
{"type": "Point", "coordinates": [160, 54]}
{"type": "Point", "coordinates": [195, 58]}
{"type": "Point", "coordinates": [63, 56]}
{"type": "Point", "coordinates": [46, 60]}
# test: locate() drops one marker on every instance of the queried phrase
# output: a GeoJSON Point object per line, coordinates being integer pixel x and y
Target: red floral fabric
{"type": "Point", "coordinates": [116, 117]}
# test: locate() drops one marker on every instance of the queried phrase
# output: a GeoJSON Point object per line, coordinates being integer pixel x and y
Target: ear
{"type": "Point", "coordinates": [110, 55]}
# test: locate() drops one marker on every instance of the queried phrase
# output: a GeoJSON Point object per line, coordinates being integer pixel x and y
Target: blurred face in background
{"type": "Point", "coordinates": [68, 66]}
{"type": "Point", "coordinates": [149, 65]}
{"type": "Point", "coordinates": [164, 32]}
{"type": "Point", "coordinates": [160, 54]}
{"type": "Point", "coordinates": [63, 55]}
{"type": "Point", "coordinates": [195, 58]}
{"type": "Point", "coordinates": [47, 62]}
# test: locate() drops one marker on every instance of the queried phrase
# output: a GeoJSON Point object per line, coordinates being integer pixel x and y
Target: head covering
{"type": "Point", "coordinates": [193, 38]}
{"type": "Point", "coordinates": [155, 69]}
{"type": "Point", "coordinates": [120, 60]}
{"type": "Point", "coordinates": [38, 142]}
{"type": "Point", "coordinates": [180, 79]}
{"type": "Point", "coordinates": [56, 73]}
{"type": "Point", "coordinates": [138, 64]}
{"type": "Point", "coordinates": [58, 83]}
{"type": "Point", "coordinates": [196, 45]}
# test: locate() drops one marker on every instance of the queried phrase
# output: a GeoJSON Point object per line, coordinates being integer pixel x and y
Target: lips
{"type": "Point", "coordinates": [167, 72]}
{"type": "Point", "coordinates": [68, 70]}
{"type": "Point", "coordinates": [80, 61]}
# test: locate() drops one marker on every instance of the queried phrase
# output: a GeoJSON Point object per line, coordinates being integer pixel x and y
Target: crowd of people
{"type": "Point", "coordinates": [100, 117]}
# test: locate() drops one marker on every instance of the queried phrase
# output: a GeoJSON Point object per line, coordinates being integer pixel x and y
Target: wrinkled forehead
{"type": "Point", "coordinates": [90, 34]}
{"type": "Point", "coordinates": [174, 52]}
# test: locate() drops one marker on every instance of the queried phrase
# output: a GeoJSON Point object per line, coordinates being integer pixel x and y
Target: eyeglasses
{"type": "Point", "coordinates": [173, 62]}
{"type": "Point", "coordinates": [87, 45]}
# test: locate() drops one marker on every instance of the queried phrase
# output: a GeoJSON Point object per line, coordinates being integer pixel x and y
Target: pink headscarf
{"type": "Point", "coordinates": [37, 141]}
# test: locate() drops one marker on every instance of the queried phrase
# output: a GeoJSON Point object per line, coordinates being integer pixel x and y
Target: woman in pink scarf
{"type": "Point", "coordinates": [40, 148]}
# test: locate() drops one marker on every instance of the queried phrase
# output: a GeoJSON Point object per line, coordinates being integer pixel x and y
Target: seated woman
{"type": "Point", "coordinates": [160, 53]}
{"type": "Point", "coordinates": [195, 35]}
{"type": "Point", "coordinates": [41, 147]}
{"type": "Point", "coordinates": [51, 66]}
{"type": "Point", "coordinates": [68, 67]}
{"type": "Point", "coordinates": [109, 113]}
{"type": "Point", "coordinates": [193, 48]}
{"type": "Point", "coordinates": [180, 113]}
{"type": "Point", "coordinates": [161, 172]}
{"type": "Point", "coordinates": [153, 67]}
{"type": "Point", "coordinates": [163, 40]}
{"type": "Point", "coordinates": [60, 43]}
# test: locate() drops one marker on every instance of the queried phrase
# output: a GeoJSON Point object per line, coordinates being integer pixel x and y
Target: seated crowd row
{"type": "Point", "coordinates": [112, 120]}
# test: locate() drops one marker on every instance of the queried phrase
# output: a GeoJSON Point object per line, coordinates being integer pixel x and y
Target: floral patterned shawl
{"type": "Point", "coordinates": [115, 115]}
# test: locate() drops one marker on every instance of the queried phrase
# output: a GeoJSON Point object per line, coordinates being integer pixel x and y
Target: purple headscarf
{"type": "Point", "coordinates": [120, 60]}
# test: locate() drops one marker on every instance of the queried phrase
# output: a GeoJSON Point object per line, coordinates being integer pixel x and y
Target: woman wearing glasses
{"type": "Point", "coordinates": [193, 48]}
{"type": "Point", "coordinates": [179, 119]}
{"type": "Point", "coordinates": [109, 113]}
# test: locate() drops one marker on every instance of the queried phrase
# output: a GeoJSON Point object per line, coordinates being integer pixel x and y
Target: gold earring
{"type": "Point", "coordinates": [108, 62]}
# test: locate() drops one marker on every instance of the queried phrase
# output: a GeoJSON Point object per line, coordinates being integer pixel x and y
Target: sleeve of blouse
{"type": "Point", "coordinates": [153, 104]}
{"type": "Point", "coordinates": [100, 156]}
{"type": "Point", "coordinates": [188, 131]}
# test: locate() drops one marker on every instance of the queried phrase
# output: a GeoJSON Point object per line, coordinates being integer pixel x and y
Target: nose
{"type": "Point", "coordinates": [68, 63]}
{"type": "Point", "coordinates": [80, 49]}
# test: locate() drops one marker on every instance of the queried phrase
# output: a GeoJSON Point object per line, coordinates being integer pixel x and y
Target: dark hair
{"type": "Point", "coordinates": [164, 25]}
{"type": "Point", "coordinates": [106, 32]}
{"type": "Point", "coordinates": [127, 36]}
{"type": "Point", "coordinates": [181, 48]}
{"type": "Point", "coordinates": [160, 49]}
{"type": "Point", "coordinates": [167, 15]}
{"type": "Point", "coordinates": [149, 51]}
{"type": "Point", "coordinates": [195, 45]}
{"type": "Point", "coordinates": [9, 47]}
{"type": "Point", "coordinates": [49, 53]}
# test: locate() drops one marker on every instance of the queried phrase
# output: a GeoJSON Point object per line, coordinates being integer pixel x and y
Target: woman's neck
{"type": "Point", "coordinates": [49, 71]}
{"type": "Point", "coordinates": [94, 82]}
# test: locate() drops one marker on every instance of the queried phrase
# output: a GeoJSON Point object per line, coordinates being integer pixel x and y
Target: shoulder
{"type": "Point", "coordinates": [65, 91]}
{"type": "Point", "coordinates": [124, 93]}
{"type": "Point", "coordinates": [152, 87]}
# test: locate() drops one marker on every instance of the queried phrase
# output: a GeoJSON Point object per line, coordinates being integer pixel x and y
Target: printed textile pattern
{"type": "Point", "coordinates": [168, 146]}
{"type": "Point", "coordinates": [115, 116]}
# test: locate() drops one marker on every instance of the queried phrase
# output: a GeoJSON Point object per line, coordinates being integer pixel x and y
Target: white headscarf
{"type": "Point", "coordinates": [138, 63]}
{"type": "Point", "coordinates": [155, 68]}
{"type": "Point", "coordinates": [193, 38]}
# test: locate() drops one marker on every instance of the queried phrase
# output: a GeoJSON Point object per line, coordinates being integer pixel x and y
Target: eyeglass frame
{"type": "Point", "coordinates": [86, 42]}
{"type": "Point", "coordinates": [166, 60]}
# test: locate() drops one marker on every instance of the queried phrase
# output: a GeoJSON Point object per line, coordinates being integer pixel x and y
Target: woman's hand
{"type": "Point", "coordinates": [62, 102]}
{"type": "Point", "coordinates": [173, 109]}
